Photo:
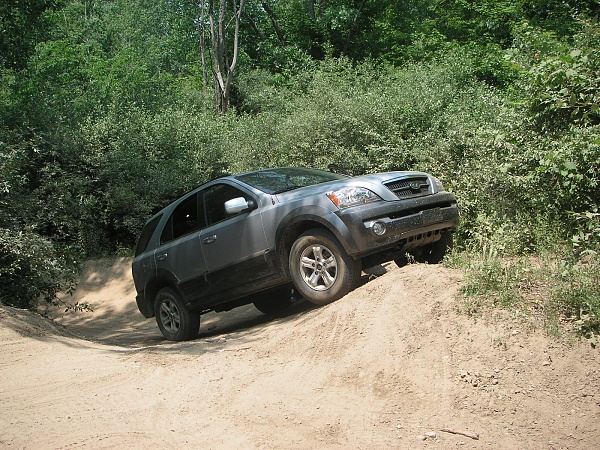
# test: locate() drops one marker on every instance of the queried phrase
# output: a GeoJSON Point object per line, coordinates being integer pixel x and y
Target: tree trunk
{"type": "Point", "coordinates": [274, 22]}
{"type": "Point", "coordinates": [353, 27]}
{"type": "Point", "coordinates": [222, 68]}
{"type": "Point", "coordinates": [202, 46]}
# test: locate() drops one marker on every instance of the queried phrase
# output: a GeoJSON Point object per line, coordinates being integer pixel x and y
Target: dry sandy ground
{"type": "Point", "coordinates": [380, 369]}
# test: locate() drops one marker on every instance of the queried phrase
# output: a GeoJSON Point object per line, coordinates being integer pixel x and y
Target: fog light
{"type": "Point", "coordinates": [378, 228]}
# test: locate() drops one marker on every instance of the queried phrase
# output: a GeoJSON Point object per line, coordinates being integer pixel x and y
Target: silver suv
{"type": "Point", "coordinates": [252, 238]}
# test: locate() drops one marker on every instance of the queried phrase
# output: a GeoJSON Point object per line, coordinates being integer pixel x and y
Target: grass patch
{"type": "Point", "coordinates": [563, 292]}
{"type": "Point", "coordinates": [574, 299]}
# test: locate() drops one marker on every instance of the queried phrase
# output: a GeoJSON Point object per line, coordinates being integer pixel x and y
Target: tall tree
{"type": "Point", "coordinates": [224, 60]}
{"type": "Point", "coordinates": [22, 26]}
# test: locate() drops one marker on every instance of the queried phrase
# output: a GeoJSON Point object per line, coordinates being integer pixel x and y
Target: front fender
{"type": "Point", "coordinates": [300, 219]}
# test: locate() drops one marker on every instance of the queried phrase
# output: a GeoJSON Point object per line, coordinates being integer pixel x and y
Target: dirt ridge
{"type": "Point", "coordinates": [389, 366]}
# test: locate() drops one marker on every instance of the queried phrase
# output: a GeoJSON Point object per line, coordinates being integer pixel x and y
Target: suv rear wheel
{"type": "Point", "coordinates": [321, 269]}
{"type": "Point", "coordinates": [176, 322]}
{"type": "Point", "coordinates": [274, 301]}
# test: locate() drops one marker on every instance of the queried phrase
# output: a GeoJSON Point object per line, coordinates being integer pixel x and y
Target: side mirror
{"type": "Point", "coordinates": [238, 205]}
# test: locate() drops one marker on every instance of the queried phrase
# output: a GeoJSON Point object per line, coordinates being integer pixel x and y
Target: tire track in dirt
{"type": "Point", "coordinates": [373, 370]}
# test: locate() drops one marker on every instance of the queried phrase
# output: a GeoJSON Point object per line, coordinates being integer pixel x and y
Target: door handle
{"type": "Point", "coordinates": [161, 257]}
{"type": "Point", "coordinates": [210, 239]}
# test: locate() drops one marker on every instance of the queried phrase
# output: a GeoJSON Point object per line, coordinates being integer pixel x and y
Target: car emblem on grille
{"type": "Point", "coordinates": [415, 186]}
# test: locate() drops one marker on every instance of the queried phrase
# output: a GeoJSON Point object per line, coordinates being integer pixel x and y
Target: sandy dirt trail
{"type": "Point", "coordinates": [389, 366]}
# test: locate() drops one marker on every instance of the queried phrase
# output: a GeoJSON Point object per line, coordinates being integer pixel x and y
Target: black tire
{"type": "Point", "coordinates": [431, 253]}
{"type": "Point", "coordinates": [273, 301]}
{"type": "Point", "coordinates": [321, 269]}
{"type": "Point", "coordinates": [401, 261]}
{"type": "Point", "coordinates": [176, 322]}
{"type": "Point", "coordinates": [434, 253]}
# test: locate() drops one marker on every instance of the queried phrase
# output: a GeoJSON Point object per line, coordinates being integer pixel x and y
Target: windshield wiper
{"type": "Point", "coordinates": [338, 169]}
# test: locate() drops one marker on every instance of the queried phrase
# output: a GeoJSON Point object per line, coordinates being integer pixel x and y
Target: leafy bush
{"type": "Point", "coordinates": [570, 169]}
{"type": "Point", "coordinates": [367, 116]}
{"type": "Point", "coordinates": [562, 78]}
{"type": "Point", "coordinates": [140, 161]}
{"type": "Point", "coordinates": [31, 269]}
{"type": "Point", "coordinates": [575, 298]}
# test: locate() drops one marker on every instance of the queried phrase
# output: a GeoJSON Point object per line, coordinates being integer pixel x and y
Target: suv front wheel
{"type": "Point", "coordinates": [176, 322]}
{"type": "Point", "coordinates": [321, 269]}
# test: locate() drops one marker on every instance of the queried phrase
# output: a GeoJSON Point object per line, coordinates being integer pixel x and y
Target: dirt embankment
{"type": "Point", "coordinates": [391, 365]}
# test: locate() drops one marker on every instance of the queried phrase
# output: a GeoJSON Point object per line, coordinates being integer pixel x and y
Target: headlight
{"type": "Point", "coordinates": [439, 187]}
{"type": "Point", "coordinates": [352, 196]}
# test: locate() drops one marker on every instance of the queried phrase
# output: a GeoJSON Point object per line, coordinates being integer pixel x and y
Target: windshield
{"type": "Point", "coordinates": [276, 181]}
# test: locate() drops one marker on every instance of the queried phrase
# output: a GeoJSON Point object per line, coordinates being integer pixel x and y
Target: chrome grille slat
{"type": "Point", "coordinates": [409, 187]}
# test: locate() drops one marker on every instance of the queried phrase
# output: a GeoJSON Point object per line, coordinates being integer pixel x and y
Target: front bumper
{"type": "Point", "coordinates": [408, 223]}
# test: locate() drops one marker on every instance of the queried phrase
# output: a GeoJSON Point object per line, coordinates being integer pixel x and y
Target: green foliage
{"type": "Point", "coordinates": [587, 235]}
{"type": "Point", "coordinates": [142, 161]}
{"type": "Point", "coordinates": [575, 298]}
{"type": "Point", "coordinates": [31, 268]}
{"type": "Point", "coordinates": [104, 118]}
{"type": "Point", "coordinates": [22, 26]}
{"type": "Point", "coordinates": [376, 114]}
{"type": "Point", "coordinates": [563, 78]}
{"type": "Point", "coordinates": [570, 168]}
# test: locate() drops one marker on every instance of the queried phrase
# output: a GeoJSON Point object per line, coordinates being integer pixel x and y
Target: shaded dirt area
{"type": "Point", "coordinates": [386, 366]}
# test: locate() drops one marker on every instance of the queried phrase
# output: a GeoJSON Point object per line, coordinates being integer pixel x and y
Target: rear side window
{"type": "Point", "coordinates": [184, 220]}
{"type": "Point", "coordinates": [146, 235]}
{"type": "Point", "coordinates": [199, 210]}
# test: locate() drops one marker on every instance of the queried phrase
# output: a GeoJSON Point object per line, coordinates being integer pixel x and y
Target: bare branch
{"type": "Point", "coordinates": [274, 22]}
{"type": "Point", "coordinates": [462, 433]}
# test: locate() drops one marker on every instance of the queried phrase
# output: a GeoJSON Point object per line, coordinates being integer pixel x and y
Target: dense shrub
{"type": "Point", "coordinates": [104, 119]}
{"type": "Point", "coordinates": [140, 161]}
{"type": "Point", "coordinates": [367, 116]}
{"type": "Point", "coordinates": [562, 77]}
{"type": "Point", "coordinates": [435, 116]}
{"type": "Point", "coordinates": [31, 268]}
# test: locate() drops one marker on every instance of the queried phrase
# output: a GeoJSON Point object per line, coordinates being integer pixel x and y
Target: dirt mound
{"type": "Point", "coordinates": [18, 323]}
{"type": "Point", "coordinates": [391, 365]}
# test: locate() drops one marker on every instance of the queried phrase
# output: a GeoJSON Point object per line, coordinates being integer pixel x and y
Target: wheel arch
{"type": "Point", "coordinates": [321, 270]}
{"type": "Point", "coordinates": [163, 279]}
{"type": "Point", "coordinates": [298, 222]}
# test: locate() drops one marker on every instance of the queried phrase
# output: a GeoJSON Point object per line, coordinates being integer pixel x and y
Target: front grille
{"type": "Point", "coordinates": [409, 187]}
